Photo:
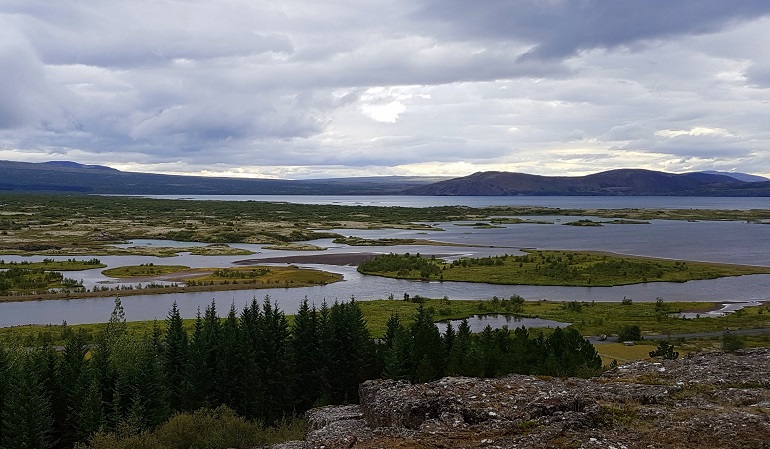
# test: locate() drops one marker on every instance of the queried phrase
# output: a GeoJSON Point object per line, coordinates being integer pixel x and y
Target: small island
{"type": "Point", "coordinates": [563, 268]}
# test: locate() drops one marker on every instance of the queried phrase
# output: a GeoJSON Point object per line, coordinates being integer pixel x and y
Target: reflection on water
{"type": "Point", "coordinates": [477, 323]}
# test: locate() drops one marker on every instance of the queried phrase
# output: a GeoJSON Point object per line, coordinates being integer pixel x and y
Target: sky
{"type": "Point", "coordinates": [305, 89]}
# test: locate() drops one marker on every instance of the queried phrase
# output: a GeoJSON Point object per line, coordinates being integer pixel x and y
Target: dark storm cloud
{"type": "Point", "coordinates": [560, 28]}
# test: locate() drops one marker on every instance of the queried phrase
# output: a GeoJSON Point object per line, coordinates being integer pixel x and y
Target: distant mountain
{"type": "Point", "coordinates": [739, 176]}
{"type": "Point", "coordinates": [65, 176]}
{"type": "Point", "coordinates": [613, 182]}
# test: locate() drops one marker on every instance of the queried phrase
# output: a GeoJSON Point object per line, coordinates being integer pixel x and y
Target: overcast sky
{"type": "Point", "coordinates": [298, 89]}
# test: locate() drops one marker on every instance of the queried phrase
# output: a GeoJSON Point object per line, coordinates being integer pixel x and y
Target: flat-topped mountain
{"type": "Point", "coordinates": [65, 176]}
{"type": "Point", "coordinates": [613, 182]}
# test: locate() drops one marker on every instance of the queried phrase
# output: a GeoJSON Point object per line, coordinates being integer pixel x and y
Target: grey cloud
{"type": "Point", "coordinates": [25, 96]}
{"type": "Point", "coordinates": [560, 28]}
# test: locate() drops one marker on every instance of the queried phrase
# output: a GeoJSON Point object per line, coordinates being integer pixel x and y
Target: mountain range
{"type": "Point", "coordinates": [66, 176]}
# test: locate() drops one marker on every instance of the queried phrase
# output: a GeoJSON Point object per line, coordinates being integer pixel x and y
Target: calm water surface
{"type": "Point", "coordinates": [727, 242]}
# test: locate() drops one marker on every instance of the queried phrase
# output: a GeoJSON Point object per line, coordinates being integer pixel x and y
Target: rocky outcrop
{"type": "Point", "coordinates": [709, 400]}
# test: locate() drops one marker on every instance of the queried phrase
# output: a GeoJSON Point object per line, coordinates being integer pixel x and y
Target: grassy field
{"type": "Point", "coordinates": [567, 268]}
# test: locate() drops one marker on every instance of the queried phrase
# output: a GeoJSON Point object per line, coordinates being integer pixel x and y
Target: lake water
{"type": "Point", "coordinates": [477, 323]}
{"type": "Point", "coordinates": [563, 202]}
{"type": "Point", "coordinates": [727, 242]}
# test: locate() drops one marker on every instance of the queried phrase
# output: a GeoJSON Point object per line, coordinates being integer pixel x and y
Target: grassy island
{"type": "Point", "coordinates": [567, 268]}
{"type": "Point", "coordinates": [35, 285]}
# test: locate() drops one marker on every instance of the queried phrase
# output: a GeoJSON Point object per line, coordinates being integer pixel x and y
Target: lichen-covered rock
{"type": "Point", "coordinates": [709, 400]}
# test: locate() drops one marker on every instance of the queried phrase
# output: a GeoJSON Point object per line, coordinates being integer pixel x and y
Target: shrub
{"type": "Point", "coordinates": [630, 333]}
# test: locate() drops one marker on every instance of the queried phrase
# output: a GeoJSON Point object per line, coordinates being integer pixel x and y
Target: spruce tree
{"type": "Point", "coordinates": [305, 340]}
{"type": "Point", "coordinates": [459, 355]}
{"type": "Point", "coordinates": [427, 348]}
{"type": "Point", "coordinates": [197, 377]}
{"type": "Point", "coordinates": [274, 367]}
{"type": "Point", "coordinates": [175, 355]}
{"type": "Point", "coordinates": [27, 419]}
{"type": "Point", "coordinates": [249, 399]}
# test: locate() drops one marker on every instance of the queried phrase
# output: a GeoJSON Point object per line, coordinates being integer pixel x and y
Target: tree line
{"type": "Point", "coordinates": [252, 361]}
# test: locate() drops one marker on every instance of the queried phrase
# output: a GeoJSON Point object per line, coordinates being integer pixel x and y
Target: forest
{"type": "Point", "coordinates": [253, 370]}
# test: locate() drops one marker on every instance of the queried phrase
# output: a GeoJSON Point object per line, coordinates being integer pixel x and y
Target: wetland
{"type": "Point", "coordinates": [335, 238]}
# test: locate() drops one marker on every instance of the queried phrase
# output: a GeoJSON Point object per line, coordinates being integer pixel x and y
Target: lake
{"type": "Point", "coordinates": [727, 242]}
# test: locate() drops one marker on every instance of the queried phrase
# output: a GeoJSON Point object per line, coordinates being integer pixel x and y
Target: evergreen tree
{"type": "Point", "coordinates": [352, 350]}
{"type": "Point", "coordinates": [398, 364]}
{"type": "Point", "coordinates": [459, 363]}
{"type": "Point", "coordinates": [27, 419]}
{"type": "Point", "coordinates": [274, 367]}
{"type": "Point", "coordinates": [229, 368]}
{"type": "Point", "coordinates": [197, 376]}
{"type": "Point", "coordinates": [175, 354]}
{"type": "Point", "coordinates": [4, 376]}
{"type": "Point", "coordinates": [249, 400]}
{"type": "Point", "coordinates": [305, 354]}
{"type": "Point", "coordinates": [427, 348]}
{"type": "Point", "coordinates": [211, 334]}
{"type": "Point", "coordinates": [74, 370]}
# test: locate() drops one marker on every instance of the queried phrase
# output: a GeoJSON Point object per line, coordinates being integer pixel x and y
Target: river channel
{"type": "Point", "coordinates": [727, 242]}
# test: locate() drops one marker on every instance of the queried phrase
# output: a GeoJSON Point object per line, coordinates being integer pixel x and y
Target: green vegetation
{"type": "Point", "coordinates": [35, 285]}
{"type": "Point", "coordinates": [253, 276]}
{"type": "Point", "coordinates": [360, 241]}
{"type": "Point", "coordinates": [204, 428]}
{"type": "Point", "coordinates": [55, 265]}
{"type": "Point", "coordinates": [479, 225]}
{"type": "Point", "coordinates": [516, 220]}
{"type": "Point", "coordinates": [552, 268]}
{"type": "Point", "coordinates": [294, 247]}
{"type": "Point", "coordinates": [143, 270]}
{"type": "Point", "coordinates": [584, 222]}
{"type": "Point", "coordinates": [19, 281]}
{"type": "Point", "coordinates": [253, 368]}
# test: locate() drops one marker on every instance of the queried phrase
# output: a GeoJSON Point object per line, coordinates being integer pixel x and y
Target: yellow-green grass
{"type": "Point", "coordinates": [572, 268]}
{"type": "Point", "coordinates": [622, 353]}
{"type": "Point", "coordinates": [143, 270]}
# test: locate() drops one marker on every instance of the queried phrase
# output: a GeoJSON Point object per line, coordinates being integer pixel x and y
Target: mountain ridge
{"type": "Point", "coordinates": [635, 182]}
{"type": "Point", "coordinates": [72, 177]}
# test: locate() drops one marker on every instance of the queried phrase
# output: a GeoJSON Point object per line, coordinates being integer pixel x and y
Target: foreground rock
{"type": "Point", "coordinates": [710, 400]}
